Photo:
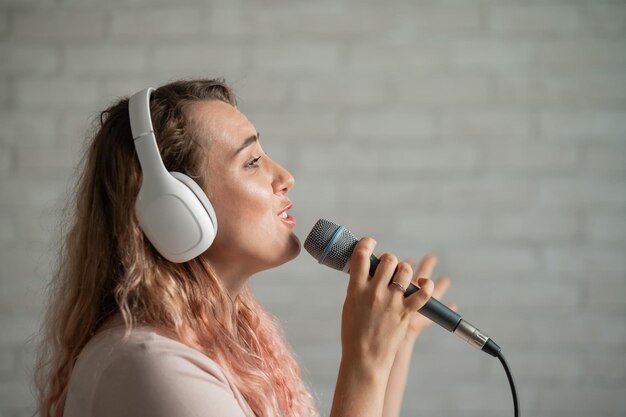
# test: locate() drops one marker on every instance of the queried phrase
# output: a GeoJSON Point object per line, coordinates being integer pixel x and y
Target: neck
{"type": "Point", "coordinates": [233, 278]}
{"type": "Point", "coordinates": [234, 287]}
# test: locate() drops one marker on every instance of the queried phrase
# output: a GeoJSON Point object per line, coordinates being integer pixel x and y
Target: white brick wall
{"type": "Point", "coordinates": [491, 133]}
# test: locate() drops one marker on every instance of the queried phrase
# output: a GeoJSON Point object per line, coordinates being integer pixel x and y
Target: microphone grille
{"type": "Point", "coordinates": [339, 252]}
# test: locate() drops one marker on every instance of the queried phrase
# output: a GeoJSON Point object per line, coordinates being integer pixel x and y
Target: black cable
{"type": "Point", "coordinates": [511, 383]}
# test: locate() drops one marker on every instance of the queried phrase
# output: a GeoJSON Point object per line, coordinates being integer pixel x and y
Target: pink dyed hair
{"type": "Point", "coordinates": [105, 266]}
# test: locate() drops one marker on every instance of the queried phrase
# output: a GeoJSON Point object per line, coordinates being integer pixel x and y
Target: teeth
{"type": "Point", "coordinates": [283, 215]}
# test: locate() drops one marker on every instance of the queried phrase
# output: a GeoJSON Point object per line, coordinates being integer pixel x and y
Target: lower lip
{"type": "Point", "coordinates": [289, 220]}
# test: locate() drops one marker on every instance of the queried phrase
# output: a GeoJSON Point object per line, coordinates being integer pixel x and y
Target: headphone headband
{"type": "Point", "coordinates": [143, 135]}
{"type": "Point", "coordinates": [139, 110]}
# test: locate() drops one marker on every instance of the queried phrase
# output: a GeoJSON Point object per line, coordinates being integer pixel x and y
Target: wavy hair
{"type": "Point", "coordinates": [105, 266]}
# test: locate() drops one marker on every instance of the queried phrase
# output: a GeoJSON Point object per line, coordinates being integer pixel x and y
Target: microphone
{"type": "Point", "coordinates": [332, 245]}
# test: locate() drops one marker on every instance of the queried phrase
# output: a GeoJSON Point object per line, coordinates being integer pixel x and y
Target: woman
{"type": "Point", "coordinates": [130, 333]}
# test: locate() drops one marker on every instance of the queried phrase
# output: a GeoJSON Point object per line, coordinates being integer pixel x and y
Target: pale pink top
{"type": "Point", "coordinates": [149, 375]}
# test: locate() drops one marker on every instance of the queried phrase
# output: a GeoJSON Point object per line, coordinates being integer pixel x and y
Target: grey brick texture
{"type": "Point", "coordinates": [491, 133]}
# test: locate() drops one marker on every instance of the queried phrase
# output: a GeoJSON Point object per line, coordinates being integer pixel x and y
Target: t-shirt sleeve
{"type": "Point", "coordinates": [164, 382]}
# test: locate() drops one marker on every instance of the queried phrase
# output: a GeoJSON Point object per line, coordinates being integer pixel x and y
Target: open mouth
{"type": "Point", "coordinates": [286, 217]}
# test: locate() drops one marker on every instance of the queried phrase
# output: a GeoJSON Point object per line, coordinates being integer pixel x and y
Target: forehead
{"type": "Point", "coordinates": [224, 124]}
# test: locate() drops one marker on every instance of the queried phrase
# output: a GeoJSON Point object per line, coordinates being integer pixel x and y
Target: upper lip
{"type": "Point", "coordinates": [287, 207]}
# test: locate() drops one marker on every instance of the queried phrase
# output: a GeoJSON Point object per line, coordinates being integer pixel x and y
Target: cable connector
{"type": "Point", "coordinates": [470, 334]}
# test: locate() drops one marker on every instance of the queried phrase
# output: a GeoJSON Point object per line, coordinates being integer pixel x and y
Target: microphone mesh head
{"type": "Point", "coordinates": [341, 250]}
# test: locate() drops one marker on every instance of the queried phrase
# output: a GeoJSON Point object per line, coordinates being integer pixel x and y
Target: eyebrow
{"type": "Point", "coordinates": [249, 141]}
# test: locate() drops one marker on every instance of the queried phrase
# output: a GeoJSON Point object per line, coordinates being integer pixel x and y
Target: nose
{"type": "Point", "coordinates": [283, 180]}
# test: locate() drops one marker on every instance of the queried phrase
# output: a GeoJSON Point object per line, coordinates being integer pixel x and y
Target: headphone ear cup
{"type": "Point", "coordinates": [174, 217]}
{"type": "Point", "coordinates": [198, 192]}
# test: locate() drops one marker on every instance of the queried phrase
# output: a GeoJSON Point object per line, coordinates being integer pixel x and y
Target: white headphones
{"type": "Point", "coordinates": [173, 211]}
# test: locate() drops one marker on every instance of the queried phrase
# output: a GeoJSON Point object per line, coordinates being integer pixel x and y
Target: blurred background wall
{"type": "Point", "coordinates": [491, 133]}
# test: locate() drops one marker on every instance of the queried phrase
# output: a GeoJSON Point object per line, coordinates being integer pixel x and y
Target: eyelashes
{"type": "Point", "coordinates": [253, 163]}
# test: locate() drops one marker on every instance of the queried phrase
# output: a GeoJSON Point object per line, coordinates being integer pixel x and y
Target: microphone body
{"type": "Point", "coordinates": [332, 245]}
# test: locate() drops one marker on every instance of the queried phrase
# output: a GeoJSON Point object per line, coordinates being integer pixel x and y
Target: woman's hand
{"type": "Point", "coordinates": [419, 322]}
{"type": "Point", "coordinates": [376, 316]}
{"type": "Point", "coordinates": [374, 324]}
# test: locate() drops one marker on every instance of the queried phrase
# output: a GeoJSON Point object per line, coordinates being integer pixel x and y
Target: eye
{"type": "Point", "coordinates": [253, 163]}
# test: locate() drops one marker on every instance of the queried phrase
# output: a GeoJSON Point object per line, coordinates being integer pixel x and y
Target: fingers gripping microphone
{"type": "Point", "coordinates": [332, 245]}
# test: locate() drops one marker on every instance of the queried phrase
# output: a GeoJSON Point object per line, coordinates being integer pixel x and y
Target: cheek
{"type": "Point", "coordinates": [242, 208]}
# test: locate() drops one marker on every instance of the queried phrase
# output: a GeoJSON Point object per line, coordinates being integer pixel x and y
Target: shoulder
{"type": "Point", "coordinates": [148, 354]}
{"type": "Point", "coordinates": [150, 374]}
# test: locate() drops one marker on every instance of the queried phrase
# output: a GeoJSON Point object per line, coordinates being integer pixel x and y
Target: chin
{"type": "Point", "coordinates": [292, 250]}
{"type": "Point", "coordinates": [290, 253]}
{"type": "Point", "coordinates": [295, 247]}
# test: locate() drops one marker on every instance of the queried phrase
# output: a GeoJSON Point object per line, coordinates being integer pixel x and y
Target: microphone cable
{"type": "Point", "coordinates": [509, 375]}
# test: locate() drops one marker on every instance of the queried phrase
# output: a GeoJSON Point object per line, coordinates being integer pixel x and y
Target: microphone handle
{"type": "Point", "coordinates": [433, 309]}
{"type": "Point", "coordinates": [448, 319]}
